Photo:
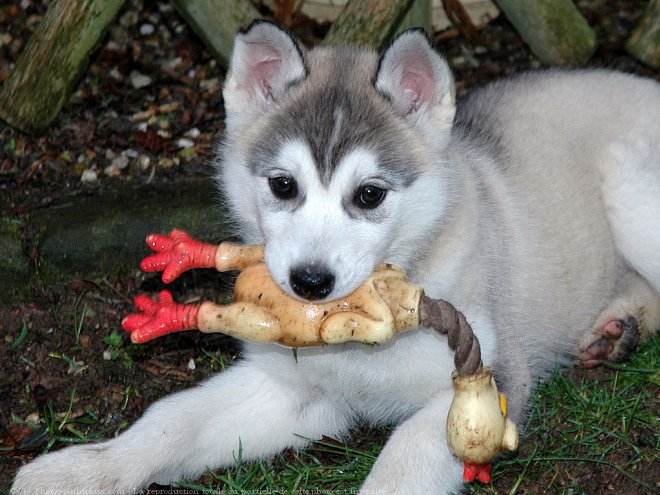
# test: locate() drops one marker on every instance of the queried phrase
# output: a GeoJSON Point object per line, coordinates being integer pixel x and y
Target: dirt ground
{"type": "Point", "coordinates": [149, 109]}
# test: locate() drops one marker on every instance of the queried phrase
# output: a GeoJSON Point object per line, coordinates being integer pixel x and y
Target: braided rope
{"type": "Point", "coordinates": [447, 320]}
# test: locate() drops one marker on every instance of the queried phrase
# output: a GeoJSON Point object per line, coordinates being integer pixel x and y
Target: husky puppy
{"type": "Point", "coordinates": [533, 206]}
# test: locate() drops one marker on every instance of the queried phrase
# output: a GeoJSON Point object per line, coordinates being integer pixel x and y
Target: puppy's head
{"type": "Point", "coordinates": [334, 157]}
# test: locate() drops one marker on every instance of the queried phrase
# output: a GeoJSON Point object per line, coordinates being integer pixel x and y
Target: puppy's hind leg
{"type": "Point", "coordinates": [631, 194]}
{"type": "Point", "coordinates": [247, 410]}
{"type": "Point", "coordinates": [634, 314]}
{"type": "Point", "coordinates": [630, 175]}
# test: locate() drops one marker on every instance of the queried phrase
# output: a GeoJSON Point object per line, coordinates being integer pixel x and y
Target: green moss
{"type": "Point", "coordinates": [644, 43]}
{"type": "Point", "coordinates": [52, 62]}
{"type": "Point", "coordinates": [15, 266]}
{"type": "Point", "coordinates": [104, 235]}
{"type": "Point", "coordinates": [555, 30]}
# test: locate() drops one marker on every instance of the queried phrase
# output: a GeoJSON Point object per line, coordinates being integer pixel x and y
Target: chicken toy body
{"type": "Point", "coordinates": [384, 305]}
{"type": "Point", "coordinates": [262, 312]}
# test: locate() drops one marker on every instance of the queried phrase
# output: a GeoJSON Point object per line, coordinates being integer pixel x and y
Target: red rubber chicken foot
{"type": "Point", "coordinates": [478, 471]}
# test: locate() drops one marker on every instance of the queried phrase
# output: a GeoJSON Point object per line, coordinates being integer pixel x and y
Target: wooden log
{"type": "Point", "coordinates": [419, 15]}
{"type": "Point", "coordinates": [555, 30]}
{"type": "Point", "coordinates": [461, 20]}
{"type": "Point", "coordinates": [368, 22]}
{"type": "Point", "coordinates": [51, 64]}
{"type": "Point", "coordinates": [216, 22]}
{"type": "Point", "coordinates": [644, 43]}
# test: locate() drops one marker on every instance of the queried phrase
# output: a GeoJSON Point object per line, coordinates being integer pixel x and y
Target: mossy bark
{"type": "Point", "coordinates": [420, 15]}
{"type": "Point", "coordinates": [555, 30]}
{"type": "Point", "coordinates": [104, 235]}
{"type": "Point", "coordinates": [15, 267]}
{"type": "Point", "coordinates": [644, 43]}
{"type": "Point", "coordinates": [460, 19]}
{"type": "Point", "coordinates": [217, 21]}
{"type": "Point", "coordinates": [101, 235]}
{"type": "Point", "coordinates": [368, 22]}
{"type": "Point", "coordinates": [51, 64]}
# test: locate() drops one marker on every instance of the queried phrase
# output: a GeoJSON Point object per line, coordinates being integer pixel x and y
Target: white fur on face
{"type": "Point", "coordinates": [319, 228]}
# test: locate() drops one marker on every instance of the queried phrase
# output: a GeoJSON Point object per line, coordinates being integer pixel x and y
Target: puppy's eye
{"type": "Point", "coordinates": [369, 197]}
{"type": "Point", "coordinates": [283, 187]}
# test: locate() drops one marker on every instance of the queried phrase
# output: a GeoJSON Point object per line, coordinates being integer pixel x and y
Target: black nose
{"type": "Point", "coordinates": [312, 281]}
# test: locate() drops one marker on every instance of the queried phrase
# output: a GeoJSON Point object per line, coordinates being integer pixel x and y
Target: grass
{"type": "Point", "coordinates": [216, 360]}
{"type": "Point", "coordinates": [79, 320]}
{"type": "Point", "coordinates": [605, 427]}
{"type": "Point", "coordinates": [325, 467]}
{"type": "Point", "coordinates": [15, 344]}
{"type": "Point", "coordinates": [588, 431]}
{"type": "Point", "coordinates": [63, 427]}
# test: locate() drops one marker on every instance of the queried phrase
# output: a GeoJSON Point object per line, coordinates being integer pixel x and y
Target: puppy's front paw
{"type": "Point", "coordinates": [80, 469]}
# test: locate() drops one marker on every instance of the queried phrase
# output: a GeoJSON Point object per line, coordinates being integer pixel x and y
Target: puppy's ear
{"type": "Point", "coordinates": [417, 80]}
{"type": "Point", "coordinates": [265, 62]}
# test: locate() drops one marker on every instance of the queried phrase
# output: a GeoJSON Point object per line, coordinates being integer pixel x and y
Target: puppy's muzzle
{"type": "Point", "coordinates": [312, 281]}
